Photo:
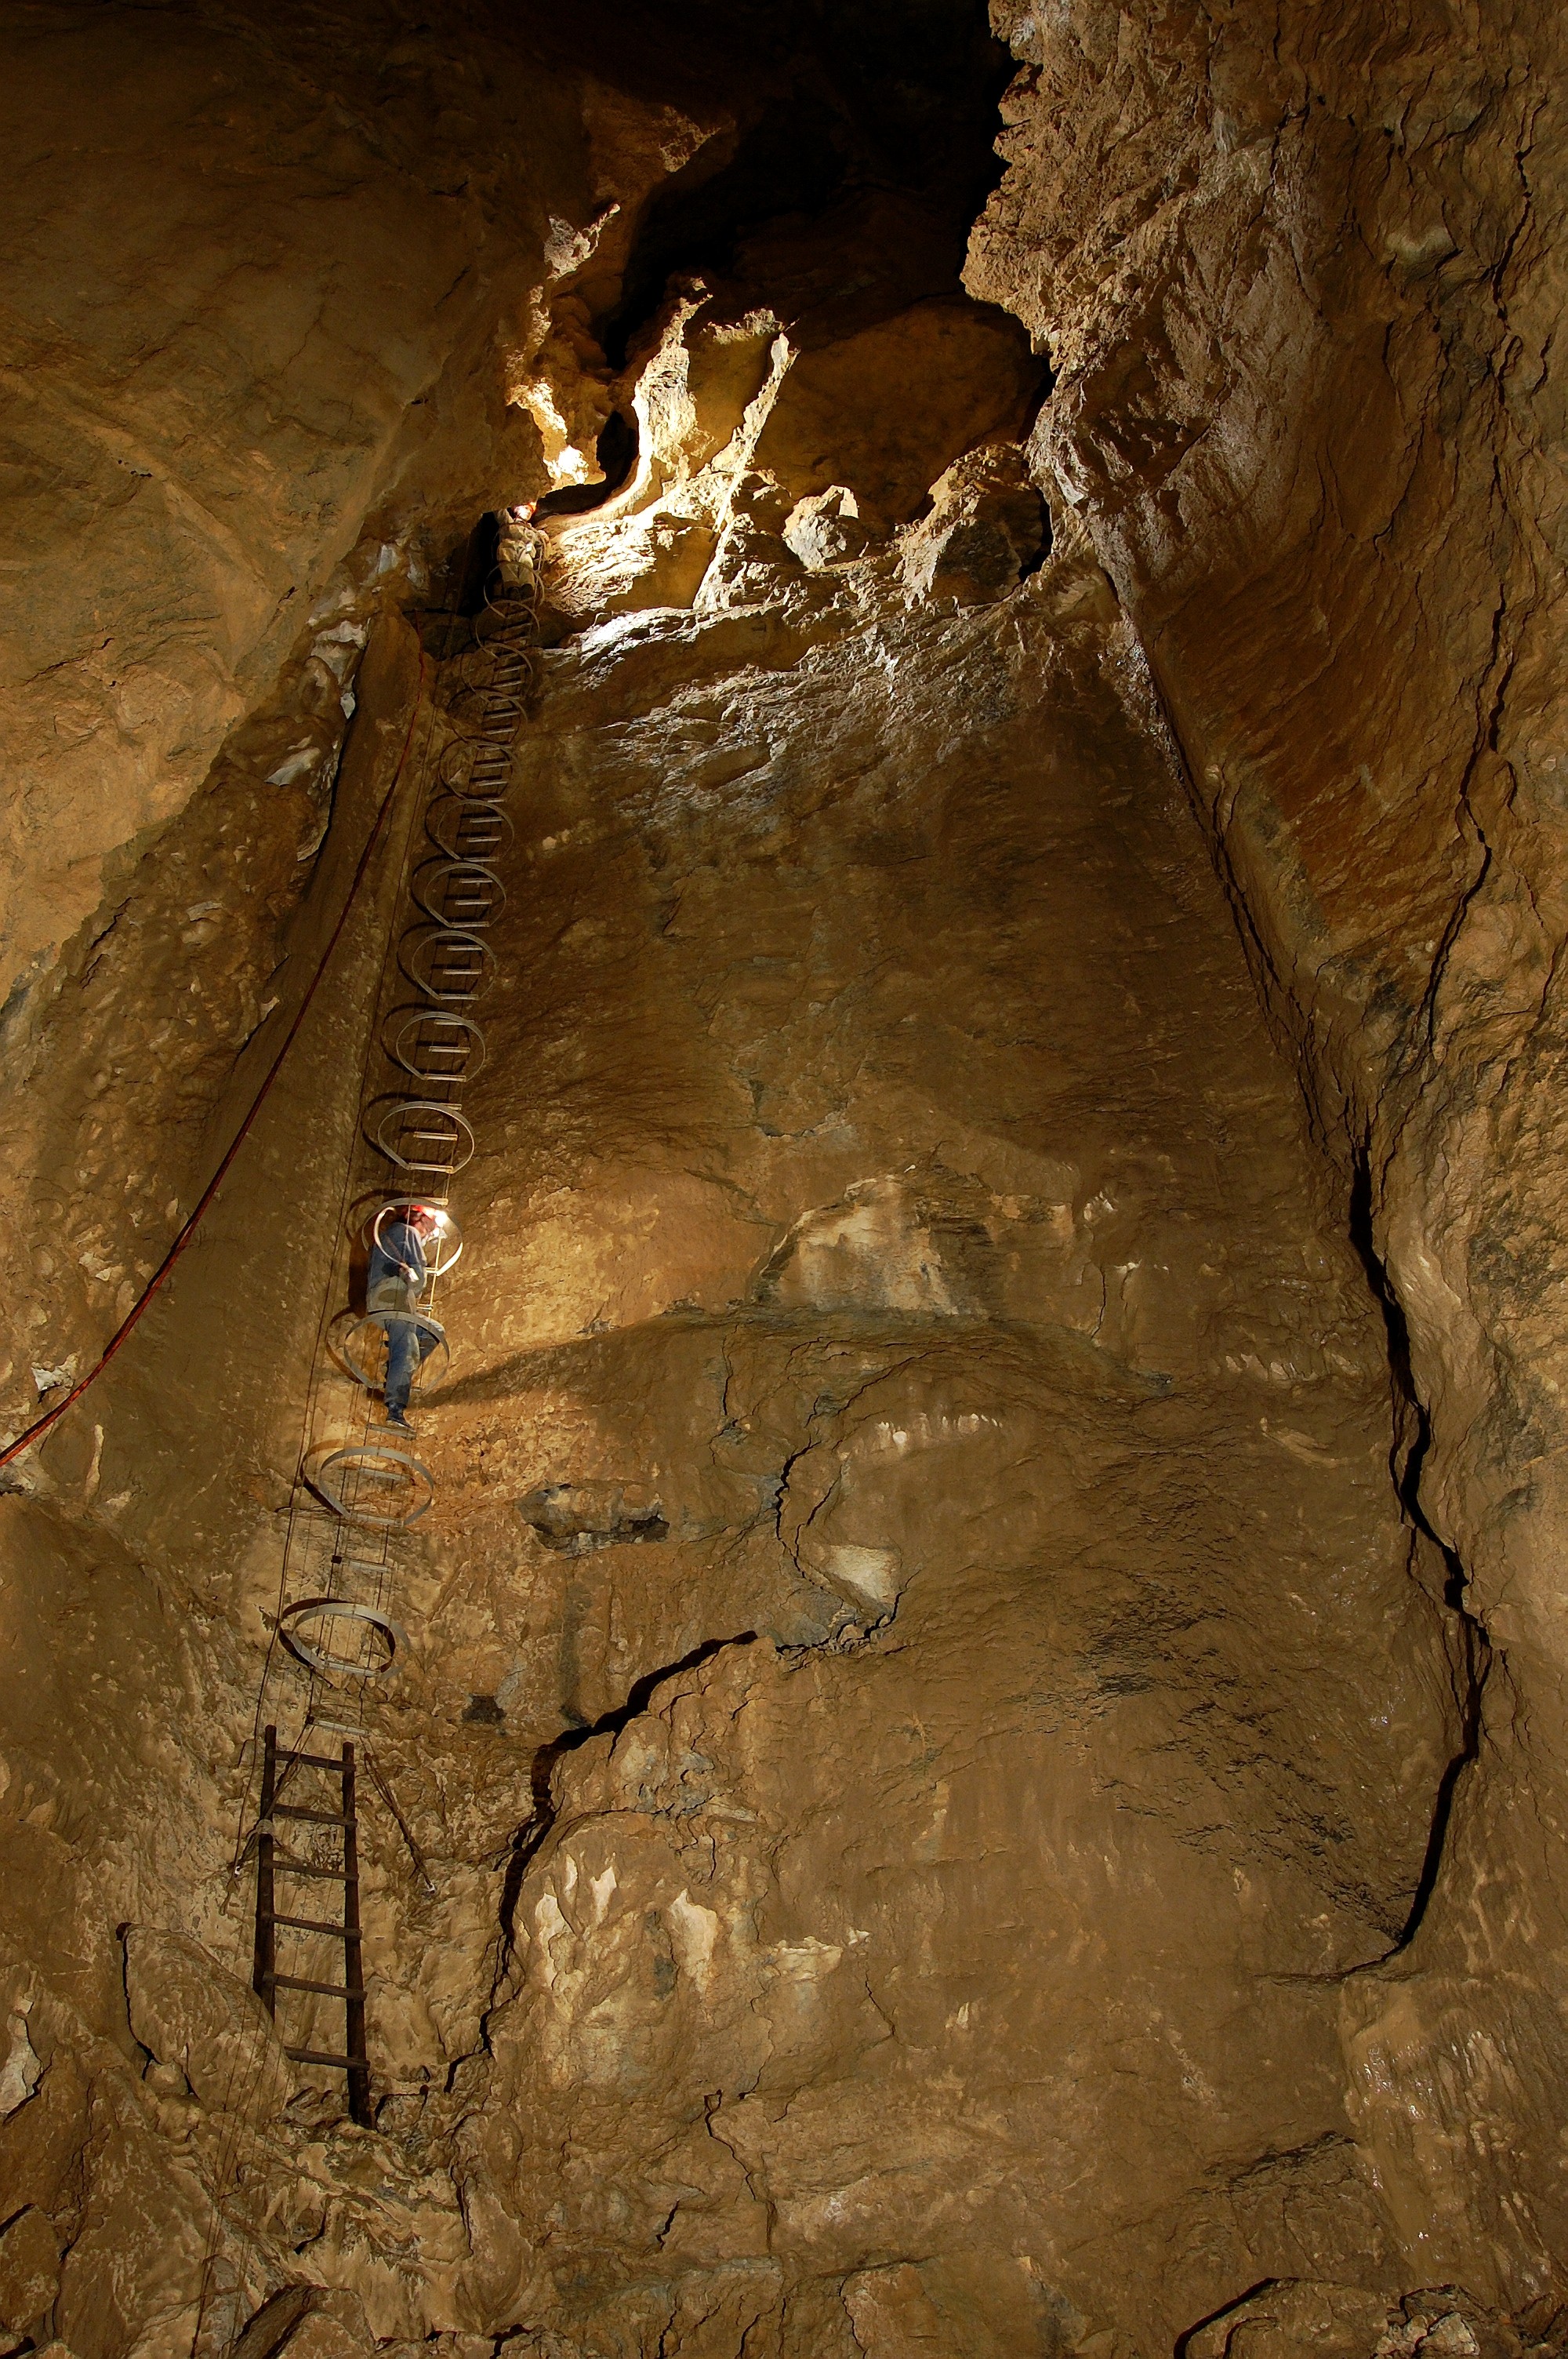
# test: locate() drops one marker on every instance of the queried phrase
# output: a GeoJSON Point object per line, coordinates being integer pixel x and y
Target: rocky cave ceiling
{"type": "Point", "coordinates": [966, 1757]}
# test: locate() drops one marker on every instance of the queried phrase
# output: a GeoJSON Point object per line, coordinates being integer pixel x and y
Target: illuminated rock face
{"type": "Point", "coordinates": [1020, 1421]}
{"type": "Point", "coordinates": [941, 1701]}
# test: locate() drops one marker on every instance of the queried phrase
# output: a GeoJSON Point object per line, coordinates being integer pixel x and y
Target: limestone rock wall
{"type": "Point", "coordinates": [980, 1702]}
{"type": "Point", "coordinates": [1297, 272]}
{"type": "Point", "coordinates": [920, 1692]}
{"type": "Point", "coordinates": [271, 291]}
{"type": "Point", "coordinates": [841, 1962]}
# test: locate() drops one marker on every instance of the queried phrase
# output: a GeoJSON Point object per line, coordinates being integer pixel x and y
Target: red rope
{"type": "Point", "coordinates": [40, 1426]}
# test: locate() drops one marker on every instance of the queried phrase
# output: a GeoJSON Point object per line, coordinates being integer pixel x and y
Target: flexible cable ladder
{"type": "Point", "coordinates": [360, 1485]}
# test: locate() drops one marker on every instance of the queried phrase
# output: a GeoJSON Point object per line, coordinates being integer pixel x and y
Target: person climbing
{"type": "Point", "coordinates": [393, 1286]}
{"type": "Point", "coordinates": [516, 549]}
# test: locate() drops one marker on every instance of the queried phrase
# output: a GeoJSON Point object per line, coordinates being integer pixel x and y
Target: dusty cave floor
{"type": "Point", "coordinates": [901, 1291]}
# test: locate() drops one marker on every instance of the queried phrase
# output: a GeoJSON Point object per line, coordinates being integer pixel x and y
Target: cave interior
{"type": "Point", "coordinates": [817, 751]}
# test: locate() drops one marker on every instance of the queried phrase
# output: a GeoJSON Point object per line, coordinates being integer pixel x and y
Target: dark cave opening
{"type": "Point", "coordinates": [863, 101]}
{"type": "Point", "coordinates": [862, 153]}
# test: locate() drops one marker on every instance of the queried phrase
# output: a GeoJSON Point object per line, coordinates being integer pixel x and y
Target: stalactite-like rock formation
{"type": "Point", "coordinates": [974, 1762]}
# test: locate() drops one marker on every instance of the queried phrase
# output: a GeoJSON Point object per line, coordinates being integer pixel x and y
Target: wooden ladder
{"type": "Point", "coordinates": [277, 1766]}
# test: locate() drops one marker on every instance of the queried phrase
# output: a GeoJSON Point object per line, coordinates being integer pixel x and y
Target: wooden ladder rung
{"type": "Point", "coordinates": [308, 1867]}
{"type": "Point", "coordinates": [317, 1818]}
{"type": "Point", "coordinates": [312, 1760]}
{"type": "Point", "coordinates": [319, 2056]}
{"type": "Point", "coordinates": [300, 1924]}
{"type": "Point", "coordinates": [328, 1990]}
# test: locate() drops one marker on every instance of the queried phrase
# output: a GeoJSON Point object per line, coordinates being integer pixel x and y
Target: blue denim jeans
{"type": "Point", "coordinates": [409, 1343]}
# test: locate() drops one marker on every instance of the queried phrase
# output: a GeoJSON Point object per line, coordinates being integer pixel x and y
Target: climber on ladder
{"type": "Point", "coordinates": [516, 553]}
{"type": "Point", "coordinates": [393, 1284]}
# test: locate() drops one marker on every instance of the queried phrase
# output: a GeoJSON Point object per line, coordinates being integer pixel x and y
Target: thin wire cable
{"type": "Point", "coordinates": [51, 1417]}
{"type": "Point", "coordinates": [243, 2065]}
{"type": "Point", "coordinates": [246, 2063]}
{"type": "Point", "coordinates": [299, 1505]}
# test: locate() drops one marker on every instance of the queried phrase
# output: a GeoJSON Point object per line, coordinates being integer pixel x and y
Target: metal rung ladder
{"type": "Point", "coordinates": [355, 1477]}
{"type": "Point", "coordinates": [277, 1766]}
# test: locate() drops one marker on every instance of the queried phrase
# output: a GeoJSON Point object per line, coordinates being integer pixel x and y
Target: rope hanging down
{"type": "Point", "coordinates": [51, 1417]}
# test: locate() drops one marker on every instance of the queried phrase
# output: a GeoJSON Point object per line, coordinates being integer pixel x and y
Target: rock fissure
{"type": "Point", "coordinates": [1476, 1660]}
{"type": "Point", "coordinates": [536, 1830]}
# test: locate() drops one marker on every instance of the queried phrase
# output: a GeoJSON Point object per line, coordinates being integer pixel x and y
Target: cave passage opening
{"type": "Point", "coordinates": [860, 154]}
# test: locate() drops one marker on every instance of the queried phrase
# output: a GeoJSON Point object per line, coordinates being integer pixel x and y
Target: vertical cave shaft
{"type": "Point", "coordinates": [879, 1357]}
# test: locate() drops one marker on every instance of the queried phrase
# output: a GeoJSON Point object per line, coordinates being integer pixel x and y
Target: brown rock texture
{"type": "Point", "coordinates": [1298, 275]}
{"type": "Point", "coordinates": [976, 1757]}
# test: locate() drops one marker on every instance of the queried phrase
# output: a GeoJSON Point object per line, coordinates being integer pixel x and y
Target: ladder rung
{"type": "Point", "coordinates": [328, 1990]}
{"type": "Point", "coordinates": [301, 1924]}
{"type": "Point", "coordinates": [319, 1818]}
{"type": "Point", "coordinates": [319, 2056]}
{"type": "Point", "coordinates": [311, 1760]}
{"type": "Point", "coordinates": [292, 1867]}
